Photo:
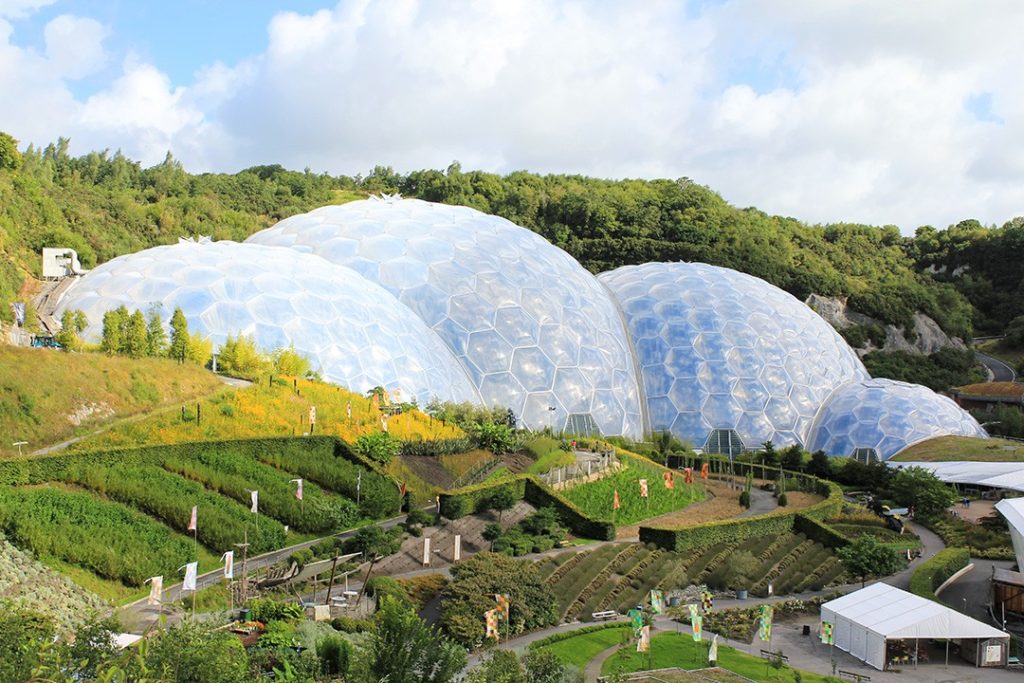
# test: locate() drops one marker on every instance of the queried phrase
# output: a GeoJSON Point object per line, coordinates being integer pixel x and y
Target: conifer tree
{"type": "Point", "coordinates": [179, 336]}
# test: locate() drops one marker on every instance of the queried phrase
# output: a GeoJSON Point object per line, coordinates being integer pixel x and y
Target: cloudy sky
{"type": "Point", "coordinates": [899, 113]}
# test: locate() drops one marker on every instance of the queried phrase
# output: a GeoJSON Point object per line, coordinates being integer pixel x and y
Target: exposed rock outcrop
{"type": "Point", "coordinates": [925, 335]}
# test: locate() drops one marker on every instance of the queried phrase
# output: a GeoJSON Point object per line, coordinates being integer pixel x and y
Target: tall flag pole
{"type": "Point", "coordinates": [189, 582]}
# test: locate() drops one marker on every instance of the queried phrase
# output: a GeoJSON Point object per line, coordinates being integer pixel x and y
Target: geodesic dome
{"type": "Point", "coordinates": [534, 330]}
{"type": "Point", "coordinates": [886, 416]}
{"type": "Point", "coordinates": [351, 329]}
{"type": "Point", "coordinates": [727, 357]}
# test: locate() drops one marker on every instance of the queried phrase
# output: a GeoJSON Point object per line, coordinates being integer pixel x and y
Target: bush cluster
{"type": "Point", "coordinates": [934, 571]}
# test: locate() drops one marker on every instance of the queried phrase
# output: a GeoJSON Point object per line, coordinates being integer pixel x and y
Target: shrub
{"type": "Point", "coordinates": [745, 499]}
{"type": "Point", "coordinates": [379, 447]}
{"type": "Point", "coordinates": [933, 572]}
{"type": "Point", "coordinates": [334, 654]}
{"type": "Point", "coordinates": [268, 609]}
{"type": "Point", "coordinates": [783, 500]}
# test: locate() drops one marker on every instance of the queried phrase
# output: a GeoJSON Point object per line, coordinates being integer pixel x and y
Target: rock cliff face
{"type": "Point", "coordinates": [925, 336]}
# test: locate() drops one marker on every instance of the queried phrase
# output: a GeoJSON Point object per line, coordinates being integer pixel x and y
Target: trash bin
{"type": "Point", "coordinates": [673, 601]}
{"type": "Point", "coordinates": [245, 615]}
{"type": "Point", "coordinates": [807, 629]}
{"type": "Point", "coordinates": [741, 594]}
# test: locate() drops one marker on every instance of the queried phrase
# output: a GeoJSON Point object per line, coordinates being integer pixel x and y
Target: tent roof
{"type": "Point", "coordinates": [1000, 475]}
{"type": "Point", "coordinates": [1013, 510]}
{"type": "Point", "coordinates": [895, 614]}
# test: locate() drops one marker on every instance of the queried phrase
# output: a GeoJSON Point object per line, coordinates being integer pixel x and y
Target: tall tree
{"type": "Point", "coordinates": [115, 322]}
{"type": "Point", "coordinates": [375, 544]}
{"type": "Point", "coordinates": [156, 338]}
{"type": "Point", "coordinates": [867, 557]}
{"type": "Point", "coordinates": [404, 649]}
{"type": "Point", "coordinates": [179, 336]}
{"type": "Point", "coordinates": [136, 337]}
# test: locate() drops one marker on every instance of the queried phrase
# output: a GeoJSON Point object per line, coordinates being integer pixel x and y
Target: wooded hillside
{"type": "Point", "coordinates": [104, 205]}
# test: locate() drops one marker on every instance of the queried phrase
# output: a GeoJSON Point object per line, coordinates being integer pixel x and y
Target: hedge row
{"type": "Point", "coordinates": [934, 571]}
{"type": "Point", "coordinates": [436, 446]}
{"type": "Point", "coordinates": [565, 635]}
{"type": "Point", "coordinates": [470, 499]}
{"type": "Point", "coordinates": [541, 495]}
{"type": "Point", "coordinates": [735, 530]}
{"type": "Point", "coordinates": [816, 530]}
{"type": "Point", "coordinates": [325, 460]}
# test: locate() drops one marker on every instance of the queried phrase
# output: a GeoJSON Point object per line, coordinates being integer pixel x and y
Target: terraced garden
{"type": "Point", "coordinates": [595, 498]}
{"type": "Point", "coordinates": [114, 519]}
{"type": "Point", "coordinates": [618, 576]}
{"type": "Point", "coordinates": [854, 525]}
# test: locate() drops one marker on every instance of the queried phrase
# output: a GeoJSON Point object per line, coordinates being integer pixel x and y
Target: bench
{"type": "Point", "coordinates": [768, 654]}
{"type": "Point", "coordinates": [854, 676]}
{"type": "Point", "coordinates": [603, 616]}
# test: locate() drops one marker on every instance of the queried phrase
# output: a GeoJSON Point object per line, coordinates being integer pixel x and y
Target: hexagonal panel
{"type": "Point", "coordinates": [888, 416]}
{"type": "Point", "coordinates": [353, 331]}
{"type": "Point", "coordinates": [486, 273]}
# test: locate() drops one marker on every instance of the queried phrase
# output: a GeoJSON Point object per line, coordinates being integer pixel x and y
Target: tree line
{"type": "Point", "coordinates": [104, 205]}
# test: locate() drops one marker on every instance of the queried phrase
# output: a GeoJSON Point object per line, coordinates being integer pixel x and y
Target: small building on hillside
{"type": "Point", "coordinates": [989, 395]}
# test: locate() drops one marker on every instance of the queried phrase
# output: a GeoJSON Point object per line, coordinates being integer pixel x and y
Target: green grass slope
{"type": "Point", "coordinates": [952, 448]}
{"type": "Point", "coordinates": [47, 396]}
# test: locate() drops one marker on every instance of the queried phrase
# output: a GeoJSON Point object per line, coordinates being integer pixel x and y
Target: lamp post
{"type": "Point", "coordinates": [19, 444]}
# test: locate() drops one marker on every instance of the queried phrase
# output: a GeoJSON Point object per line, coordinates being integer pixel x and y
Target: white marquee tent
{"type": "Point", "coordinates": [864, 620]}
{"type": "Point", "coordinates": [997, 475]}
{"type": "Point", "coordinates": [1013, 510]}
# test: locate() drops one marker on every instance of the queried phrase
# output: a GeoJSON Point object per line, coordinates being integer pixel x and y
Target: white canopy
{"type": "Point", "coordinates": [865, 619]}
{"type": "Point", "coordinates": [1013, 510]}
{"type": "Point", "coordinates": [998, 475]}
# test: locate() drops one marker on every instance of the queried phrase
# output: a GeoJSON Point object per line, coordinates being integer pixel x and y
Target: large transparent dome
{"type": "Point", "coordinates": [727, 356]}
{"type": "Point", "coordinates": [351, 329]}
{"type": "Point", "coordinates": [885, 416]}
{"type": "Point", "coordinates": [534, 330]}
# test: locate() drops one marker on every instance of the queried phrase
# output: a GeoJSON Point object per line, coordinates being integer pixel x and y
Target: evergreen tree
{"type": "Point", "coordinates": [115, 322]}
{"type": "Point", "coordinates": [179, 336]}
{"type": "Point", "coordinates": [156, 338]}
{"type": "Point", "coordinates": [72, 324]}
{"type": "Point", "coordinates": [136, 337]}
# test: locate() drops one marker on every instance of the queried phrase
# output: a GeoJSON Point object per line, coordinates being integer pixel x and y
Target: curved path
{"type": "Point", "coordinates": [1000, 371]}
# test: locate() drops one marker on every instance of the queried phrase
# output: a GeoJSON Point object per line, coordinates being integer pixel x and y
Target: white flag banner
{"type": "Point", "coordinates": [156, 590]}
{"type": "Point", "coordinates": [312, 415]}
{"type": "Point", "coordinates": [426, 551]}
{"type": "Point", "coordinates": [255, 496]}
{"type": "Point", "coordinates": [229, 564]}
{"type": "Point", "coordinates": [348, 409]}
{"type": "Point", "coordinates": [458, 547]}
{"type": "Point", "coordinates": [194, 519]}
{"type": "Point", "coordinates": [713, 650]}
{"type": "Point", "coordinates": [191, 571]}
{"type": "Point", "coordinates": [298, 488]}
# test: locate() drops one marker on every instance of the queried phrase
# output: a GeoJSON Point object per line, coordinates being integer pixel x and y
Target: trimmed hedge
{"type": "Point", "coordinates": [540, 495]}
{"type": "Point", "coordinates": [934, 571]}
{"type": "Point", "coordinates": [469, 499]}
{"type": "Point", "coordinates": [424, 447]}
{"type": "Point", "coordinates": [566, 635]}
{"type": "Point", "coordinates": [817, 530]}
{"type": "Point", "coordinates": [734, 530]}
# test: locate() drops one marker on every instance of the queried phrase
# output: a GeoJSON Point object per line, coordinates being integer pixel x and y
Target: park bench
{"type": "Point", "coordinates": [768, 654]}
{"type": "Point", "coordinates": [854, 676]}
{"type": "Point", "coordinates": [603, 616]}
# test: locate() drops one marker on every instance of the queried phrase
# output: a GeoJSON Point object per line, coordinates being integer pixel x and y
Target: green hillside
{"type": "Point", "coordinates": [104, 205]}
{"type": "Point", "coordinates": [47, 396]}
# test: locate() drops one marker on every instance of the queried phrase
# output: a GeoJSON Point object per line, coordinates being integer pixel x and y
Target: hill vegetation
{"type": "Point", "coordinates": [47, 396]}
{"type": "Point", "coordinates": [105, 205]}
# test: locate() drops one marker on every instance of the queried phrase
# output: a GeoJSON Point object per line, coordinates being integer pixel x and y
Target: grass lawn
{"type": "Point", "coordinates": [679, 650]}
{"type": "Point", "coordinates": [595, 498]}
{"type": "Point", "coordinates": [547, 454]}
{"type": "Point", "coordinates": [946, 448]}
{"type": "Point", "coordinates": [579, 650]}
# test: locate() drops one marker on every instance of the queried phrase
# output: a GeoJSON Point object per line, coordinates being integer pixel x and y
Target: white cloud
{"type": "Point", "coordinates": [74, 45]}
{"type": "Point", "coordinates": [18, 9]}
{"type": "Point", "coordinates": [845, 110]}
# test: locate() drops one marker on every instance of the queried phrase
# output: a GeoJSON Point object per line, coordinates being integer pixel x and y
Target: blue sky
{"type": "Point", "coordinates": [857, 110]}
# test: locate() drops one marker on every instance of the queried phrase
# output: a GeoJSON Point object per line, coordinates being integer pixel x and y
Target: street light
{"type": "Point", "coordinates": [19, 444]}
